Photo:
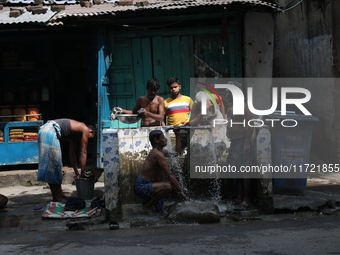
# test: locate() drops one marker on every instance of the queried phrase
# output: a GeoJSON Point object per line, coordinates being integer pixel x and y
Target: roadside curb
{"type": "Point", "coordinates": [28, 178]}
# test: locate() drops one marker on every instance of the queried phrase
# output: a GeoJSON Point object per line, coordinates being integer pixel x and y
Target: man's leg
{"type": "Point", "coordinates": [240, 191]}
{"type": "Point", "coordinates": [160, 190]}
{"type": "Point", "coordinates": [57, 193]}
{"type": "Point", "coordinates": [237, 157]}
{"type": "Point", "coordinates": [246, 187]}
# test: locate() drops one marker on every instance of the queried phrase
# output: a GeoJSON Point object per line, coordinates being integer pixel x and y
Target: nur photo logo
{"type": "Point", "coordinates": [239, 100]}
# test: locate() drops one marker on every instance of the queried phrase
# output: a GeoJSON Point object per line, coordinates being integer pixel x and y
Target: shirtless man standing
{"type": "Point", "coordinates": [150, 106]}
{"type": "Point", "coordinates": [148, 185]}
{"type": "Point", "coordinates": [239, 153]}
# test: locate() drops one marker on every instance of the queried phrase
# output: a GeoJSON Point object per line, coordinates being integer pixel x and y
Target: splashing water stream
{"type": "Point", "coordinates": [175, 164]}
{"type": "Point", "coordinates": [214, 184]}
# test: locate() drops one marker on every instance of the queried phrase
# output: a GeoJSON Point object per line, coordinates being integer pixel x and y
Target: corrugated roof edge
{"type": "Point", "coordinates": [47, 2]}
{"type": "Point", "coordinates": [55, 18]}
{"type": "Point", "coordinates": [163, 3]}
{"type": "Point", "coordinates": [106, 8]}
{"type": "Point", "coordinates": [25, 17]}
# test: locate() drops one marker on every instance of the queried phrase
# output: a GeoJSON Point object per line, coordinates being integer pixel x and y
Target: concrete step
{"type": "Point", "coordinates": [29, 177]}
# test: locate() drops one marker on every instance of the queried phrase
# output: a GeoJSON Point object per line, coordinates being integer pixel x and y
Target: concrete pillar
{"type": "Point", "coordinates": [258, 43]}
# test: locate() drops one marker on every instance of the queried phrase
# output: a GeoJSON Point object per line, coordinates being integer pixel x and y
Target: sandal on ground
{"type": "Point", "coordinates": [114, 225]}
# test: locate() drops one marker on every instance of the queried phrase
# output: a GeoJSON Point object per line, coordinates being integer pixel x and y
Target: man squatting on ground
{"type": "Point", "coordinates": [148, 185]}
{"type": "Point", "coordinates": [50, 154]}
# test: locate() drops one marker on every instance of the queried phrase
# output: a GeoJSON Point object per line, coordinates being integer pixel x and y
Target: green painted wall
{"type": "Point", "coordinates": [139, 56]}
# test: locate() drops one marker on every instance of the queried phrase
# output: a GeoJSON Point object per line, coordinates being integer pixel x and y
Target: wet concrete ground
{"type": "Point", "coordinates": [307, 225]}
{"type": "Point", "coordinates": [278, 236]}
{"type": "Point", "coordinates": [322, 198]}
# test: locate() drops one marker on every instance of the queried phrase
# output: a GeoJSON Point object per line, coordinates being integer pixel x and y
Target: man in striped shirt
{"type": "Point", "coordinates": [176, 110]}
{"type": "Point", "coordinates": [177, 106]}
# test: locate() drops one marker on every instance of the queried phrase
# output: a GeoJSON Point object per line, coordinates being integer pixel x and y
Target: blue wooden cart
{"type": "Point", "coordinates": [19, 152]}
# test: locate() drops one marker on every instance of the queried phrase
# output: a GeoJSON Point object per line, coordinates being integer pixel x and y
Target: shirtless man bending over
{"type": "Point", "coordinates": [150, 106]}
{"type": "Point", "coordinates": [148, 185]}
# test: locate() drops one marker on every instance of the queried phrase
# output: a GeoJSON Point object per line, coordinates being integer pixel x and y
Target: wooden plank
{"type": "Point", "coordinates": [138, 67]}
{"type": "Point", "coordinates": [239, 63]}
{"type": "Point", "coordinates": [187, 67]}
{"type": "Point", "coordinates": [127, 86]}
{"type": "Point", "coordinates": [176, 57]}
{"type": "Point", "coordinates": [158, 61]}
{"type": "Point", "coordinates": [234, 51]}
{"type": "Point", "coordinates": [122, 94]}
{"type": "Point", "coordinates": [122, 78]}
{"type": "Point", "coordinates": [168, 55]}
{"type": "Point", "coordinates": [147, 58]}
{"type": "Point", "coordinates": [232, 55]}
{"type": "Point", "coordinates": [147, 63]}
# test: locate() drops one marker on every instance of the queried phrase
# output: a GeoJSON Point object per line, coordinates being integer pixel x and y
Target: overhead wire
{"type": "Point", "coordinates": [287, 8]}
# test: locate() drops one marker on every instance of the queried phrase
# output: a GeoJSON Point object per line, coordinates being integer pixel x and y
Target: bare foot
{"type": "Point", "coordinates": [61, 199]}
{"type": "Point", "coordinates": [64, 196]}
{"type": "Point", "coordinates": [149, 209]}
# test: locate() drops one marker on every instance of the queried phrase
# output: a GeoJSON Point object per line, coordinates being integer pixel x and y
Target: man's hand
{"type": "Point", "coordinates": [141, 112]}
{"type": "Point", "coordinates": [184, 196]}
{"type": "Point", "coordinates": [76, 173]}
{"type": "Point", "coordinates": [176, 129]}
{"type": "Point", "coordinates": [87, 174]}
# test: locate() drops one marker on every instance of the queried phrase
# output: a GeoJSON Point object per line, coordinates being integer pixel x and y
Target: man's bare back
{"type": "Point", "coordinates": [151, 169]}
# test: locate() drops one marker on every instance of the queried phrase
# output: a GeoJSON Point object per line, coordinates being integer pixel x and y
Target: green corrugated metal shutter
{"type": "Point", "coordinates": [137, 59]}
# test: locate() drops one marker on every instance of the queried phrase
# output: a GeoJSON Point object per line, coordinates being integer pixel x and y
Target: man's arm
{"type": "Point", "coordinates": [178, 147]}
{"type": "Point", "coordinates": [196, 116]}
{"type": "Point", "coordinates": [126, 111]}
{"type": "Point", "coordinates": [195, 110]}
{"type": "Point", "coordinates": [83, 150]}
{"type": "Point", "coordinates": [85, 133]}
{"type": "Point", "coordinates": [82, 154]}
{"type": "Point", "coordinates": [165, 116]}
{"type": "Point", "coordinates": [161, 160]}
{"type": "Point", "coordinates": [221, 107]}
{"type": "Point", "coordinates": [138, 106]}
{"type": "Point", "coordinates": [191, 104]}
{"type": "Point", "coordinates": [165, 120]}
{"type": "Point", "coordinates": [73, 157]}
{"type": "Point", "coordinates": [197, 121]}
